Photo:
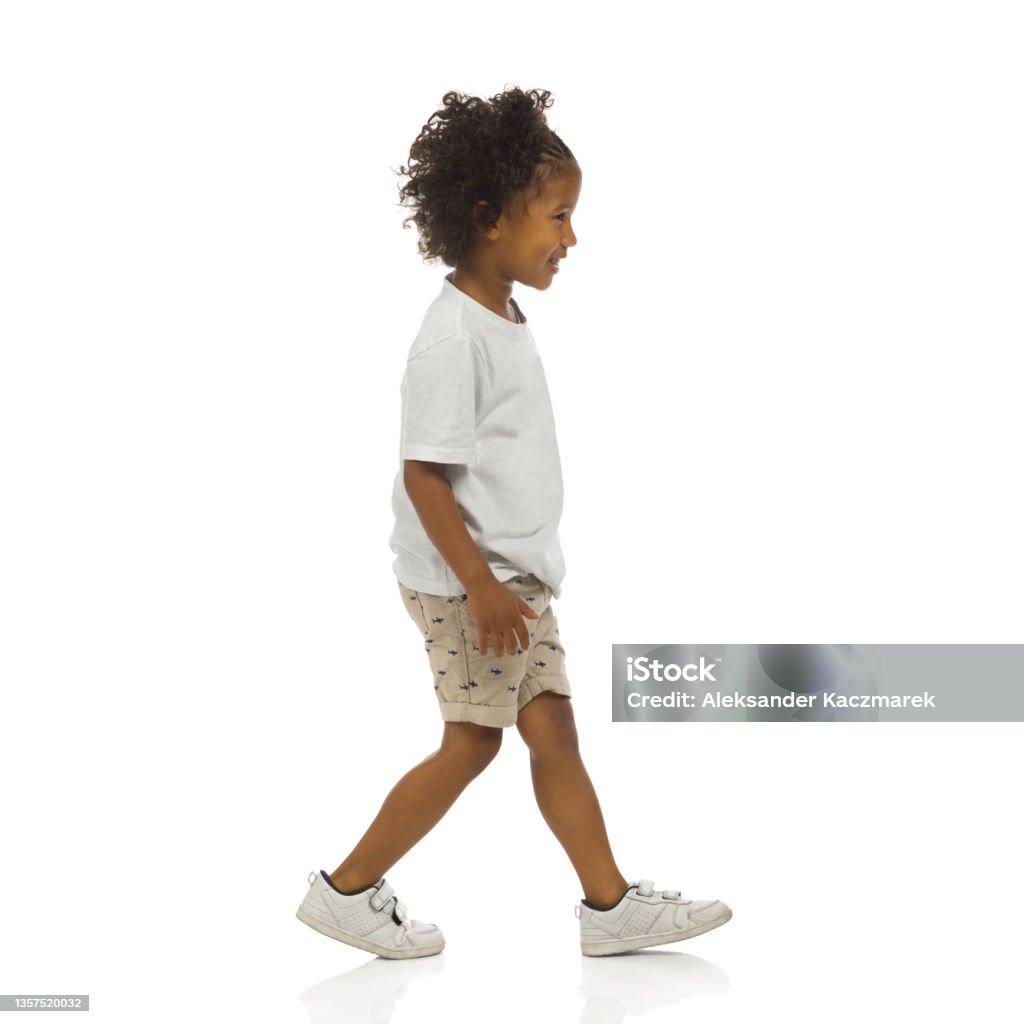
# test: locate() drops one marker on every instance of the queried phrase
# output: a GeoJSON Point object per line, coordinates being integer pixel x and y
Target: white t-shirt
{"type": "Point", "coordinates": [474, 396]}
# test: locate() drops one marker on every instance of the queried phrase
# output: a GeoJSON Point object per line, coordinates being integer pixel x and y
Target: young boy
{"type": "Point", "coordinates": [477, 502]}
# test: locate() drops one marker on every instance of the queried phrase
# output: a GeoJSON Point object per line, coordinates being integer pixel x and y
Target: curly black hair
{"type": "Point", "coordinates": [500, 150]}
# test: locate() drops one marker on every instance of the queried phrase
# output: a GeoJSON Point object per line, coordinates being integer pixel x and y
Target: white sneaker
{"type": "Point", "coordinates": [644, 917]}
{"type": "Point", "coordinates": [374, 919]}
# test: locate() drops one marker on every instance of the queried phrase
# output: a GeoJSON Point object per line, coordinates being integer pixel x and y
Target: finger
{"type": "Point", "coordinates": [511, 644]}
{"type": "Point", "coordinates": [524, 635]}
{"type": "Point", "coordinates": [481, 634]}
{"type": "Point", "coordinates": [527, 610]}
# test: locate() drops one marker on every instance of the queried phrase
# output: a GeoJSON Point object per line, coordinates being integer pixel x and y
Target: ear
{"type": "Point", "coordinates": [490, 233]}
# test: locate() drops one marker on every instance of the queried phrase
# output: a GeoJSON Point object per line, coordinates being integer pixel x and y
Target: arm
{"type": "Point", "coordinates": [496, 611]}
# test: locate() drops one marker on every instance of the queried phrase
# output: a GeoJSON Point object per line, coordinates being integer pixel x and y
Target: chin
{"type": "Point", "coordinates": [541, 282]}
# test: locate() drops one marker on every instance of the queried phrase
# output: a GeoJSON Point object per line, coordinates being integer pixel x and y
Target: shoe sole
{"type": "Point", "coordinates": [643, 941]}
{"type": "Point", "coordinates": [365, 944]}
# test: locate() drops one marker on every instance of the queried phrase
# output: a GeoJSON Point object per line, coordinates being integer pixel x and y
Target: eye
{"type": "Point", "coordinates": [560, 216]}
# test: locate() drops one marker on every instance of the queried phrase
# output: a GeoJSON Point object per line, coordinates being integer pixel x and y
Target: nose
{"type": "Point", "coordinates": [568, 235]}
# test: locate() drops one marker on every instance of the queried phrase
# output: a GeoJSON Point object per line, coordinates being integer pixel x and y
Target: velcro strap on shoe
{"type": "Point", "coordinates": [645, 887]}
{"type": "Point", "coordinates": [400, 911]}
{"type": "Point", "coordinates": [380, 898]}
{"type": "Point", "coordinates": [672, 894]}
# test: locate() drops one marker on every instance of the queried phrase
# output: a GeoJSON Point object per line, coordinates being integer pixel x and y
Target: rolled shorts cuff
{"type": "Point", "coordinates": [503, 717]}
{"type": "Point", "coordinates": [478, 714]}
{"type": "Point", "coordinates": [535, 685]}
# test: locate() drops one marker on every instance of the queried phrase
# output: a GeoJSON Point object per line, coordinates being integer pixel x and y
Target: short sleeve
{"type": "Point", "coordinates": [439, 403]}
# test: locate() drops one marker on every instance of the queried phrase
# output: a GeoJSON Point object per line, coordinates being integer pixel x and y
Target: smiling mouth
{"type": "Point", "coordinates": [553, 262]}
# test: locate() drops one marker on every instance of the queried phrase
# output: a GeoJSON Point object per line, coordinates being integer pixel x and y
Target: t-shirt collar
{"type": "Point", "coordinates": [480, 309]}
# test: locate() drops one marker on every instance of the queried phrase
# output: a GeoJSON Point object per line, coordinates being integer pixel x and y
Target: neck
{"type": "Point", "coordinates": [489, 292]}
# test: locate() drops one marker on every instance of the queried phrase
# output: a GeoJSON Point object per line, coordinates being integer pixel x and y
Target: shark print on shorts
{"type": "Point", "coordinates": [480, 688]}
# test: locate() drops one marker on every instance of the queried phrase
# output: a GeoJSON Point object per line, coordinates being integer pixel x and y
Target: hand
{"type": "Point", "coordinates": [498, 616]}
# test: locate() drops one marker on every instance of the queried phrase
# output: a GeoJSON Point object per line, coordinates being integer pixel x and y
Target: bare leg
{"type": "Point", "coordinates": [566, 797]}
{"type": "Point", "coordinates": [418, 801]}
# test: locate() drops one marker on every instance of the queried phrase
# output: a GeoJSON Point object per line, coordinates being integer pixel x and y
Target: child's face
{"type": "Point", "coordinates": [525, 247]}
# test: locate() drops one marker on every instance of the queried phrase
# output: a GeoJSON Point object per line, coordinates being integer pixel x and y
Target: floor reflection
{"type": "Point", "coordinates": [629, 984]}
{"type": "Point", "coordinates": [614, 988]}
{"type": "Point", "coordinates": [368, 994]}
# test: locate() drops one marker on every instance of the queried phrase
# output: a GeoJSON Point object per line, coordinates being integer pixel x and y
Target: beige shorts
{"type": "Point", "coordinates": [486, 689]}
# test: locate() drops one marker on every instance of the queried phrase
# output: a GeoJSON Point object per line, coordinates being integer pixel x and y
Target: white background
{"type": "Point", "coordinates": [782, 360]}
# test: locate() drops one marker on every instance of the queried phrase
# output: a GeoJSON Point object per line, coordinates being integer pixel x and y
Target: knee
{"type": "Point", "coordinates": [550, 727]}
{"type": "Point", "coordinates": [474, 745]}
